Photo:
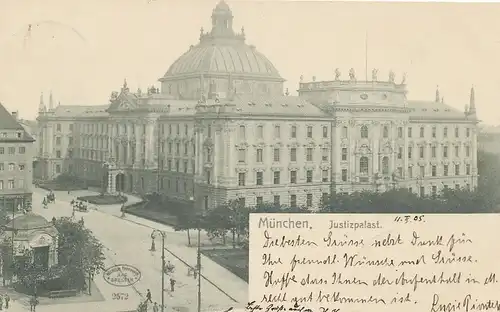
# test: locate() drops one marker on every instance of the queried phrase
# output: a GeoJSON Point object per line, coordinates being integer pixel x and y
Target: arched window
{"type": "Point", "coordinates": [363, 165]}
{"type": "Point", "coordinates": [386, 132]}
{"type": "Point", "coordinates": [364, 132]}
{"type": "Point", "coordinates": [385, 165]}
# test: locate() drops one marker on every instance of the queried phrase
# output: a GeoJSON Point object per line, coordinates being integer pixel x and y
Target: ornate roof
{"type": "Point", "coordinates": [223, 51]}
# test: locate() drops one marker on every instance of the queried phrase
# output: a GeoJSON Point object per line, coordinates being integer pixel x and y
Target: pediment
{"type": "Point", "coordinates": [125, 101]}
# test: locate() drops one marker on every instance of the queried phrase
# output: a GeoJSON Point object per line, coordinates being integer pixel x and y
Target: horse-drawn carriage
{"type": "Point", "coordinates": [51, 198]}
{"type": "Point", "coordinates": [79, 206]}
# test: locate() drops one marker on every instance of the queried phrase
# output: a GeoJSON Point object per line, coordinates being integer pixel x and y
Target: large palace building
{"type": "Point", "coordinates": [222, 127]}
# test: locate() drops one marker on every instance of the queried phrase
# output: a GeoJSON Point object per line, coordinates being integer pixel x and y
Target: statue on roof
{"type": "Point", "coordinates": [301, 79]}
{"type": "Point", "coordinates": [352, 74]}
{"type": "Point", "coordinates": [337, 74]}
{"type": "Point", "coordinates": [392, 76]}
{"type": "Point", "coordinates": [286, 92]}
{"type": "Point", "coordinates": [374, 74]}
{"type": "Point", "coordinates": [403, 80]}
{"type": "Point", "coordinates": [314, 78]}
{"type": "Point", "coordinates": [114, 96]}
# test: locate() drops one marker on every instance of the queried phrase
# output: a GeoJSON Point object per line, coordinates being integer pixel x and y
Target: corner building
{"type": "Point", "coordinates": [222, 128]}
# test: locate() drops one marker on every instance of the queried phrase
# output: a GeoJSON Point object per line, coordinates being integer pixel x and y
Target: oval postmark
{"type": "Point", "coordinates": [122, 275]}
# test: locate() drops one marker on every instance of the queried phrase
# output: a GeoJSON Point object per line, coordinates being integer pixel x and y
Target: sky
{"type": "Point", "coordinates": [83, 50]}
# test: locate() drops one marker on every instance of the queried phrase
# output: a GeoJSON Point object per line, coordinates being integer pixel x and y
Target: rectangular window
{"type": "Point", "coordinates": [456, 133]}
{"type": "Point", "coordinates": [309, 154]}
{"type": "Point", "coordinates": [400, 132]}
{"type": "Point", "coordinates": [434, 191]}
{"type": "Point", "coordinates": [309, 131]}
{"type": "Point", "coordinates": [58, 141]}
{"type": "Point", "coordinates": [325, 132]}
{"type": "Point", "coordinates": [467, 151]}
{"type": "Point", "coordinates": [259, 200]}
{"type": "Point", "coordinates": [309, 176]}
{"type": "Point", "coordinates": [433, 152]}
{"type": "Point", "coordinates": [434, 131]}
{"type": "Point", "coordinates": [185, 167]}
{"type": "Point", "coordinates": [241, 179]}
{"type": "Point", "coordinates": [445, 170]}
{"type": "Point", "coordinates": [293, 200]}
{"type": "Point", "coordinates": [445, 151]}
{"type": "Point", "coordinates": [467, 169]}
{"type": "Point", "coordinates": [22, 150]}
{"type": "Point", "coordinates": [410, 150]}
{"type": "Point", "coordinates": [260, 132]}
{"type": "Point", "coordinates": [445, 132]}
{"type": "Point", "coordinates": [10, 184]}
{"type": "Point", "coordinates": [259, 156]}
{"type": "Point", "coordinates": [276, 155]}
{"type": "Point", "coordinates": [457, 151]}
{"type": "Point", "coordinates": [293, 177]}
{"type": "Point", "coordinates": [241, 155]}
{"type": "Point", "coordinates": [324, 176]}
{"type": "Point", "coordinates": [344, 154]}
{"type": "Point", "coordinates": [344, 175]}
{"type": "Point", "coordinates": [276, 177]}
{"type": "Point", "coordinates": [293, 132]}
{"type": "Point", "coordinates": [410, 172]}
{"type": "Point", "coordinates": [12, 150]}
{"type": "Point", "coordinates": [457, 169]}
{"type": "Point", "coordinates": [276, 200]}
{"type": "Point", "coordinates": [409, 132]}
{"type": "Point", "coordinates": [467, 132]}
{"type": "Point", "coordinates": [421, 151]}
{"type": "Point", "coordinates": [324, 154]}
{"type": "Point", "coordinates": [309, 200]}
{"type": "Point", "coordinates": [277, 132]}
{"type": "Point", "coordinates": [400, 152]}
{"type": "Point", "coordinates": [422, 171]}
{"type": "Point", "coordinates": [434, 171]}
{"type": "Point", "coordinates": [293, 154]}
{"type": "Point", "coordinates": [259, 178]}
{"type": "Point", "coordinates": [242, 133]}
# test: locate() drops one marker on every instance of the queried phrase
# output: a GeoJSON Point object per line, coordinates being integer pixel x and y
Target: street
{"type": "Point", "coordinates": [129, 243]}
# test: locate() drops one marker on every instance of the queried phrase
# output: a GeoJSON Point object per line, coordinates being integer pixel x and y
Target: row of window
{"type": "Point", "coordinates": [11, 150]}
{"type": "Point", "coordinates": [17, 134]}
{"type": "Point", "coordinates": [12, 167]}
{"type": "Point", "coordinates": [11, 184]}
{"type": "Point", "coordinates": [434, 189]}
{"type": "Point", "coordinates": [385, 132]}
{"type": "Point", "coordinates": [59, 141]}
{"type": "Point", "coordinates": [276, 175]}
{"type": "Point", "coordinates": [364, 168]}
{"type": "Point", "coordinates": [445, 152]}
{"type": "Point", "coordinates": [277, 132]}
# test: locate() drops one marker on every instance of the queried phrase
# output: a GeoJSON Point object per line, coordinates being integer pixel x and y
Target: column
{"type": "Point", "coordinates": [393, 134]}
{"type": "Point", "coordinates": [376, 150]}
{"type": "Point", "coordinates": [335, 151]}
{"type": "Point", "coordinates": [405, 152]}
{"type": "Point", "coordinates": [353, 159]}
{"type": "Point", "coordinates": [474, 158]}
{"type": "Point", "coordinates": [231, 156]}
{"type": "Point", "coordinates": [215, 152]}
{"type": "Point", "coordinates": [148, 139]}
{"type": "Point", "coordinates": [227, 148]}
{"type": "Point", "coordinates": [138, 147]}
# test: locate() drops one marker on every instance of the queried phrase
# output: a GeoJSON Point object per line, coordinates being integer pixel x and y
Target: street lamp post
{"type": "Point", "coordinates": [153, 236]}
{"type": "Point", "coordinates": [198, 261]}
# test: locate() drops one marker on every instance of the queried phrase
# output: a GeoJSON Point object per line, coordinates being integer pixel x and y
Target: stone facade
{"type": "Point", "coordinates": [215, 133]}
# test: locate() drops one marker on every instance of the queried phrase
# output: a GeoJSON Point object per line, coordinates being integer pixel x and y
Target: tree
{"type": "Point", "coordinates": [187, 220]}
{"type": "Point", "coordinates": [79, 252]}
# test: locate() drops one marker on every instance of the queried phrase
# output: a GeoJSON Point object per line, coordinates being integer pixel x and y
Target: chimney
{"type": "Point", "coordinates": [15, 115]}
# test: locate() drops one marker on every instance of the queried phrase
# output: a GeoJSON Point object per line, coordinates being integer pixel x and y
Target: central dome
{"type": "Point", "coordinates": [222, 51]}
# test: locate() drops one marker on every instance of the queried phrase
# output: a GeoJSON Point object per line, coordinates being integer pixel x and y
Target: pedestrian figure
{"type": "Point", "coordinates": [172, 284]}
{"type": "Point", "coordinates": [33, 303]}
{"type": "Point", "coordinates": [148, 296]}
{"type": "Point", "coordinates": [7, 300]}
{"type": "Point", "coordinates": [155, 307]}
{"type": "Point", "coordinates": [1, 302]}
